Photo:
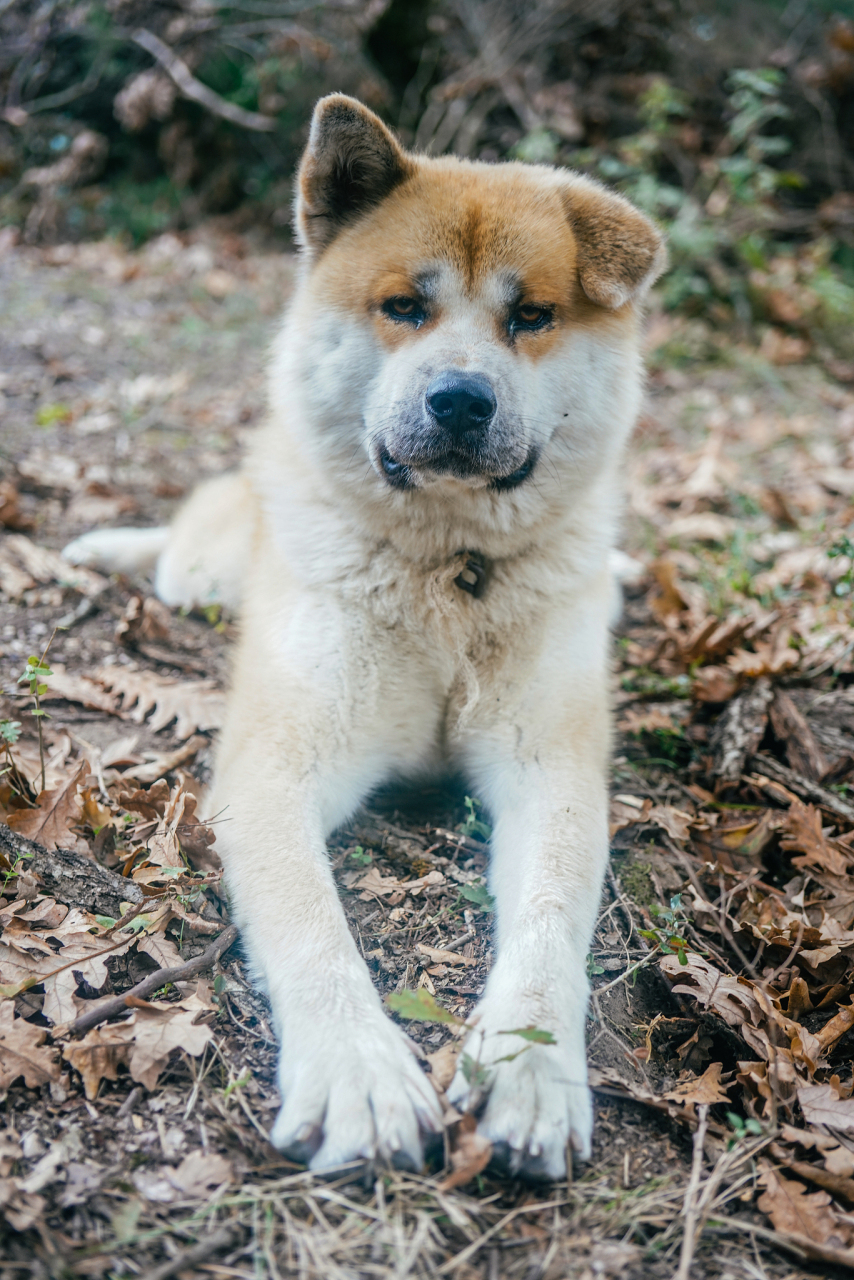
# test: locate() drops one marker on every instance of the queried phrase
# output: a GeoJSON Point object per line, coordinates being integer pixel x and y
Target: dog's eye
{"type": "Point", "coordinates": [527, 317]}
{"type": "Point", "coordinates": [404, 309]}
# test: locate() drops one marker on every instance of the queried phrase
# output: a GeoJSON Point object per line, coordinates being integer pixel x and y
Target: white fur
{"type": "Point", "coordinates": [360, 660]}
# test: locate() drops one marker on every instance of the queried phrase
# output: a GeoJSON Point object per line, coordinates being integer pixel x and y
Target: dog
{"type": "Point", "coordinates": [419, 545]}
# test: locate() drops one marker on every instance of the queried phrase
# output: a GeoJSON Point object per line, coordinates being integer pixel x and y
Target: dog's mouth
{"type": "Point", "coordinates": [399, 475]}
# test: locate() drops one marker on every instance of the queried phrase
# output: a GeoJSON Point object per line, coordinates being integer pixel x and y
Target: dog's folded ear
{"type": "Point", "coordinates": [352, 162]}
{"type": "Point", "coordinates": [620, 252]}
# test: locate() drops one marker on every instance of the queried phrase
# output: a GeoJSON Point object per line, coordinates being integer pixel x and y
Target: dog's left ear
{"type": "Point", "coordinates": [352, 162]}
{"type": "Point", "coordinates": [620, 252]}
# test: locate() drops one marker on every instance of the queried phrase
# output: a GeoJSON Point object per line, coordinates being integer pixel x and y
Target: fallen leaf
{"type": "Point", "coordinates": [443, 1064]}
{"type": "Point", "coordinates": [701, 1089]}
{"type": "Point", "coordinates": [143, 1043]}
{"type": "Point", "coordinates": [676, 822]}
{"type": "Point", "coordinates": [626, 810]}
{"type": "Point", "coordinates": [436, 955]}
{"type": "Point", "coordinates": [23, 1051]}
{"type": "Point", "coordinates": [197, 1176]}
{"type": "Point", "coordinates": [821, 1104]}
{"type": "Point", "coordinates": [45, 566]}
{"type": "Point", "coordinates": [193, 705]}
{"type": "Point", "coordinates": [645, 720]}
{"type": "Point", "coordinates": [792, 1209]}
{"type": "Point", "coordinates": [802, 832]}
{"type": "Point", "coordinates": [470, 1152]}
{"type": "Point", "coordinates": [56, 812]}
{"type": "Point", "coordinates": [98, 1056]}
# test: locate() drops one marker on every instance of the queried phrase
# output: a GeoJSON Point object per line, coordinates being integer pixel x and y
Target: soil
{"type": "Point", "coordinates": [126, 378]}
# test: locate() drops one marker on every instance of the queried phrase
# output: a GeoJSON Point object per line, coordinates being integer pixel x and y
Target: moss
{"type": "Point", "coordinates": [636, 880]}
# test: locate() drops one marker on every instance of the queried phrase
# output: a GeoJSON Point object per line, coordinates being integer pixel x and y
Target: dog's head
{"type": "Point", "coordinates": [450, 311]}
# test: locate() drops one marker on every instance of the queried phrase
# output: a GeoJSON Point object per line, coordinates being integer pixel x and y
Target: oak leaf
{"type": "Point", "coordinates": [793, 1210]}
{"type": "Point", "coordinates": [23, 1051]}
{"type": "Point", "coordinates": [98, 1056]}
{"type": "Point", "coordinates": [706, 1088]}
{"type": "Point", "coordinates": [192, 704]}
{"type": "Point", "coordinates": [56, 812]}
{"type": "Point", "coordinates": [803, 834]}
{"type": "Point", "coordinates": [821, 1104]}
{"type": "Point", "coordinates": [143, 1042]}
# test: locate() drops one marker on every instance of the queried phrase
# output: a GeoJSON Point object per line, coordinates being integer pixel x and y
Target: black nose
{"type": "Point", "coordinates": [461, 401]}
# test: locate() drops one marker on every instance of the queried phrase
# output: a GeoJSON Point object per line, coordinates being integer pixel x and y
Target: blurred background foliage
{"type": "Point", "coordinates": [730, 121]}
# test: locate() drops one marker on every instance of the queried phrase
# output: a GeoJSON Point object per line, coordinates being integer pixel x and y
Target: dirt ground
{"type": "Point", "coordinates": [124, 378]}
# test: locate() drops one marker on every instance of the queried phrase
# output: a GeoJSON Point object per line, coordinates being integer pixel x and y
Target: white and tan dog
{"type": "Point", "coordinates": [419, 544]}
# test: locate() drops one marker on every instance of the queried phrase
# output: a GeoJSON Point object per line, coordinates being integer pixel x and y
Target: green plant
{"type": "Point", "coordinates": [668, 932]}
{"type": "Point", "coordinates": [34, 674]}
{"type": "Point", "coordinates": [421, 1006]}
{"type": "Point", "coordinates": [742, 1128]}
{"type": "Point", "coordinates": [10, 732]}
{"type": "Point", "coordinates": [473, 825]}
{"type": "Point", "coordinates": [361, 856]}
{"type": "Point", "coordinates": [479, 895]}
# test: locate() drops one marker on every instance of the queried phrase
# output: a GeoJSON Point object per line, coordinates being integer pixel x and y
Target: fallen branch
{"type": "Point", "coordinates": [110, 1008]}
{"type": "Point", "coordinates": [180, 73]}
{"type": "Point", "coordinates": [802, 786]}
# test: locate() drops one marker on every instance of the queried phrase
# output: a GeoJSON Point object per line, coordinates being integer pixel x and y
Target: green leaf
{"type": "Point", "coordinates": [479, 895]}
{"type": "Point", "coordinates": [106, 922]}
{"type": "Point", "coordinates": [535, 1034]}
{"type": "Point", "coordinates": [473, 1072]}
{"type": "Point", "coordinates": [10, 730]}
{"type": "Point", "coordinates": [360, 856]}
{"type": "Point", "coordinates": [420, 1006]}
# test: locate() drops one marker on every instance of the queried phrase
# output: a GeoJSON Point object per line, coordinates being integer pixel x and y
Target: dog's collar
{"type": "Point", "coordinates": [473, 576]}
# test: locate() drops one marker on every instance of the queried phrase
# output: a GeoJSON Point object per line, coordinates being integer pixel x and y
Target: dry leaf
{"type": "Point", "coordinates": [793, 1210]}
{"type": "Point", "coordinates": [803, 833]}
{"type": "Point", "coordinates": [470, 1152]}
{"type": "Point", "coordinates": [197, 1176]}
{"type": "Point", "coordinates": [98, 1056]}
{"type": "Point", "coordinates": [23, 1051]}
{"type": "Point", "coordinates": [626, 810]}
{"type": "Point", "coordinates": [821, 1104]}
{"type": "Point", "coordinates": [56, 812]}
{"type": "Point", "coordinates": [172, 826]}
{"type": "Point", "coordinates": [45, 565]}
{"type": "Point", "coordinates": [676, 822]}
{"type": "Point", "coordinates": [193, 705]}
{"type": "Point", "coordinates": [143, 1043]}
{"type": "Point", "coordinates": [443, 1064]}
{"type": "Point", "coordinates": [436, 955]}
{"type": "Point", "coordinates": [645, 720]}
{"type": "Point", "coordinates": [705, 1088]}
{"type": "Point", "coordinates": [76, 688]}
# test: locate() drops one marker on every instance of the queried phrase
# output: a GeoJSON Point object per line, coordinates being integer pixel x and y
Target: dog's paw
{"type": "Point", "coordinates": [538, 1102]}
{"type": "Point", "coordinates": [355, 1095]}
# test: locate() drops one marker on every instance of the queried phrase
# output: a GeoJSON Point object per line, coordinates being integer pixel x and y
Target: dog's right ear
{"type": "Point", "coordinates": [352, 162]}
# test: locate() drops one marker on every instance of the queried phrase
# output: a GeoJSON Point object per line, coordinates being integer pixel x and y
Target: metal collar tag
{"type": "Point", "coordinates": [473, 577]}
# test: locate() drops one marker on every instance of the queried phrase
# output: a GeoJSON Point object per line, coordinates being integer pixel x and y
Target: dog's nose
{"type": "Point", "coordinates": [461, 401]}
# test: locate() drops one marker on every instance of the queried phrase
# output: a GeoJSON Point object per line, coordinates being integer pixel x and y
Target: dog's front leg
{"type": "Point", "coordinates": [290, 770]}
{"type": "Point", "coordinates": [541, 769]}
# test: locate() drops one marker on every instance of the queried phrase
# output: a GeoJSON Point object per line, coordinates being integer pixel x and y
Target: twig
{"type": "Point", "coordinates": [691, 1206]}
{"type": "Point", "coordinates": [105, 1009]}
{"type": "Point", "coordinates": [459, 940]}
{"type": "Point", "coordinates": [802, 786]}
{"type": "Point", "coordinates": [191, 1257]}
{"type": "Point", "coordinates": [192, 88]}
{"type": "Point", "coordinates": [628, 973]}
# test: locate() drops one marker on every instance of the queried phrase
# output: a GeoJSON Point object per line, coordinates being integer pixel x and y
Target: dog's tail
{"type": "Point", "coordinates": [129, 551]}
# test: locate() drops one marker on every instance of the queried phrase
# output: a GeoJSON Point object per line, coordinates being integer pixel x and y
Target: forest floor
{"type": "Point", "coordinates": [720, 1031]}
